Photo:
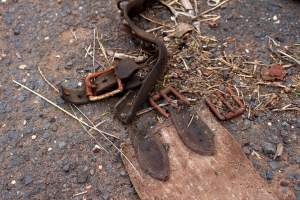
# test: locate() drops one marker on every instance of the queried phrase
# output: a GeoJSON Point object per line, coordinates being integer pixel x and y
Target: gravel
{"type": "Point", "coordinates": [268, 148]}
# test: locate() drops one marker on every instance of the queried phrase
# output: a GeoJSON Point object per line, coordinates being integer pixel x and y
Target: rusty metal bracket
{"type": "Point", "coordinates": [234, 111]}
{"type": "Point", "coordinates": [89, 86]}
{"type": "Point", "coordinates": [164, 94]}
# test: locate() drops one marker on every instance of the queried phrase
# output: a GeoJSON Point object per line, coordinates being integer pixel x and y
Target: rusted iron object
{"type": "Point", "coordinates": [164, 94]}
{"type": "Point", "coordinates": [104, 82]}
{"type": "Point", "coordinates": [151, 156]}
{"type": "Point", "coordinates": [89, 86]}
{"type": "Point", "coordinates": [130, 9]}
{"type": "Point", "coordinates": [234, 111]}
{"type": "Point", "coordinates": [273, 73]}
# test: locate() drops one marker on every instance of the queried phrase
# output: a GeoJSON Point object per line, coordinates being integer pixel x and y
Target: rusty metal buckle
{"type": "Point", "coordinates": [233, 110]}
{"type": "Point", "coordinates": [164, 94]}
{"type": "Point", "coordinates": [89, 85]}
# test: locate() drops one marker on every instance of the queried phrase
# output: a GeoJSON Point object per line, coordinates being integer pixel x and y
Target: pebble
{"type": "Point", "coordinates": [268, 148]}
{"type": "Point", "coordinates": [274, 165]}
{"type": "Point", "coordinates": [96, 149]}
{"type": "Point", "coordinates": [66, 167]}
{"type": "Point", "coordinates": [105, 196]}
{"type": "Point", "coordinates": [123, 173]}
{"type": "Point", "coordinates": [286, 139]}
{"type": "Point", "coordinates": [52, 120]}
{"type": "Point", "coordinates": [4, 108]}
{"type": "Point", "coordinates": [247, 150]}
{"type": "Point", "coordinates": [54, 128]}
{"type": "Point", "coordinates": [82, 176]}
{"type": "Point", "coordinates": [27, 180]}
{"type": "Point", "coordinates": [12, 135]}
{"type": "Point", "coordinates": [247, 124]}
{"type": "Point", "coordinates": [33, 137]}
{"type": "Point", "coordinates": [62, 145]}
{"type": "Point", "coordinates": [285, 125]}
{"type": "Point", "coordinates": [92, 172]}
{"type": "Point", "coordinates": [45, 135]}
{"type": "Point", "coordinates": [22, 98]}
{"type": "Point", "coordinates": [260, 34]}
{"type": "Point", "coordinates": [13, 182]}
{"type": "Point", "coordinates": [269, 123]}
{"type": "Point", "coordinates": [27, 130]}
{"type": "Point", "coordinates": [268, 175]}
{"type": "Point", "coordinates": [94, 159]}
{"type": "Point", "coordinates": [298, 159]}
{"type": "Point", "coordinates": [23, 66]}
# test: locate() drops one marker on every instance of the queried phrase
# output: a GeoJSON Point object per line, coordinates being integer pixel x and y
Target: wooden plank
{"type": "Point", "coordinates": [228, 175]}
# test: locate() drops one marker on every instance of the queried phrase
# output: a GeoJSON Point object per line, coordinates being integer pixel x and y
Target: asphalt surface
{"type": "Point", "coordinates": [44, 154]}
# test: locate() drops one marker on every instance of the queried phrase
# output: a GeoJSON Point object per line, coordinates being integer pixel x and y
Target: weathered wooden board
{"type": "Point", "coordinates": [228, 175]}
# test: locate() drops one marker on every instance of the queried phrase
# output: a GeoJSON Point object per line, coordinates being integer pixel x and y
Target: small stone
{"type": "Point", "coordinates": [66, 168]}
{"type": "Point", "coordinates": [22, 98]}
{"type": "Point", "coordinates": [92, 172]}
{"type": "Point", "coordinates": [123, 173]}
{"type": "Point", "coordinates": [33, 137]}
{"type": "Point", "coordinates": [100, 167]}
{"type": "Point", "coordinates": [45, 135]}
{"type": "Point", "coordinates": [93, 158]}
{"type": "Point", "coordinates": [54, 128]}
{"type": "Point", "coordinates": [49, 149]}
{"type": "Point", "coordinates": [23, 66]}
{"type": "Point", "coordinates": [12, 135]}
{"type": "Point", "coordinates": [52, 120]}
{"type": "Point", "coordinates": [27, 180]}
{"type": "Point", "coordinates": [268, 148]}
{"type": "Point", "coordinates": [61, 145]}
{"type": "Point", "coordinates": [298, 159]}
{"type": "Point", "coordinates": [13, 182]}
{"type": "Point", "coordinates": [285, 125]}
{"type": "Point", "coordinates": [274, 165]}
{"type": "Point", "coordinates": [105, 196]}
{"type": "Point", "coordinates": [27, 130]}
{"type": "Point", "coordinates": [247, 150]}
{"type": "Point", "coordinates": [268, 175]}
{"type": "Point", "coordinates": [96, 149]}
{"type": "Point", "coordinates": [82, 177]}
{"type": "Point", "coordinates": [247, 124]}
{"type": "Point", "coordinates": [69, 65]}
{"type": "Point", "coordinates": [18, 55]}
